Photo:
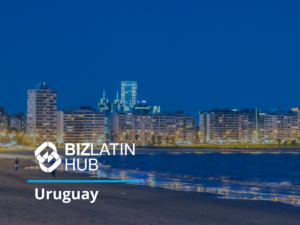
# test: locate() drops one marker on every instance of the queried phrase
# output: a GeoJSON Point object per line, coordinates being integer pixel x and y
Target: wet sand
{"type": "Point", "coordinates": [122, 203]}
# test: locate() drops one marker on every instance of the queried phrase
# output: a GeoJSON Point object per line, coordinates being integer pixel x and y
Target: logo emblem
{"type": "Point", "coordinates": [47, 157]}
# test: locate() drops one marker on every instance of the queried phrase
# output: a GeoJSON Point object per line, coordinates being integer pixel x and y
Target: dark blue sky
{"type": "Point", "coordinates": [193, 55]}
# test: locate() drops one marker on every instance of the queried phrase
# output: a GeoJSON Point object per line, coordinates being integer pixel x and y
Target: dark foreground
{"type": "Point", "coordinates": [122, 203]}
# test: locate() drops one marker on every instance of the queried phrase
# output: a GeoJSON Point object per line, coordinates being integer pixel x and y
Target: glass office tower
{"type": "Point", "coordinates": [128, 94]}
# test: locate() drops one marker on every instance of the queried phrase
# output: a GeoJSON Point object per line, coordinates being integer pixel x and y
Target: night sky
{"type": "Point", "coordinates": [192, 55]}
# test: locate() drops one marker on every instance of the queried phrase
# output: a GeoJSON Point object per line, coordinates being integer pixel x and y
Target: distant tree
{"type": "Point", "coordinates": [197, 139]}
{"type": "Point", "coordinates": [25, 142]}
{"type": "Point", "coordinates": [173, 140]}
{"type": "Point", "coordinates": [294, 143]}
{"type": "Point", "coordinates": [127, 137]}
{"type": "Point", "coordinates": [20, 140]}
{"type": "Point", "coordinates": [167, 140]}
{"type": "Point", "coordinates": [285, 143]}
{"type": "Point", "coordinates": [279, 141]}
{"type": "Point", "coordinates": [153, 139]}
{"type": "Point", "coordinates": [136, 138]}
{"type": "Point", "coordinates": [159, 140]}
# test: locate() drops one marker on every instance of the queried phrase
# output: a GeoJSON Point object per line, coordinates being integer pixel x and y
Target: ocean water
{"type": "Point", "coordinates": [252, 176]}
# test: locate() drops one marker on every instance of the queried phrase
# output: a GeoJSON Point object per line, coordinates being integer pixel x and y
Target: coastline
{"type": "Point", "coordinates": [122, 203]}
{"type": "Point", "coordinates": [219, 150]}
{"type": "Point", "coordinates": [185, 148]}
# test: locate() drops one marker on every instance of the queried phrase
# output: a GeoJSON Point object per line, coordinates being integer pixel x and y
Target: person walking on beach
{"type": "Point", "coordinates": [16, 163]}
{"type": "Point", "coordinates": [53, 172]}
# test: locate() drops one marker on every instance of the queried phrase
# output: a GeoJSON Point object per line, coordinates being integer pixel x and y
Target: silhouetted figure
{"type": "Point", "coordinates": [16, 164]}
{"type": "Point", "coordinates": [53, 172]}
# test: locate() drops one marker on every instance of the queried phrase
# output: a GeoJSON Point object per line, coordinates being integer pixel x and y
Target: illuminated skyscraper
{"type": "Point", "coordinates": [41, 114]}
{"type": "Point", "coordinates": [128, 94]}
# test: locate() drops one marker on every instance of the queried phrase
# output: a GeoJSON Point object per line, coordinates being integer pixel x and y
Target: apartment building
{"type": "Point", "coordinates": [279, 125]}
{"type": "Point", "coordinates": [244, 125]}
{"type": "Point", "coordinates": [83, 125]}
{"type": "Point", "coordinates": [145, 128]}
{"type": "Point", "coordinates": [41, 114]}
{"type": "Point", "coordinates": [17, 121]}
{"type": "Point", "coordinates": [219, 126]}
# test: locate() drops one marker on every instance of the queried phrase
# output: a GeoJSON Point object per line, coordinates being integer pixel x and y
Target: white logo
{"type": "Point", "coordinates": [43, 158]}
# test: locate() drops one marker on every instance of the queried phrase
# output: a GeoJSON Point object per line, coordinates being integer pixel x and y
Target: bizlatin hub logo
{"type": "Point", "coordinates": [47, 157]}
{"type": "Point", "coordinates": [72, 164]}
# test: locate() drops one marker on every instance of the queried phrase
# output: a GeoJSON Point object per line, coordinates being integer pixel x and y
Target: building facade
{"type": "Point", "coordinates": [128, 94]}
{"type": "Point", "coordinates": [146, 129]}
{"type": "Point", "coordinates": [244, 125]}
{"type": "Point", "coordinates": [41, 114]}
{"type": "Point", "coordinates": [17, 121]}
{"type": "Point", "coordinates": [279, 125]}
{"type": "Point", "coordinates": [83, 125]}
{"type": "Point", "coordinates": [4, 121]}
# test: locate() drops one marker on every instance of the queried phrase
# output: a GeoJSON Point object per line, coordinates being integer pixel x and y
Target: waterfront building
{"type": "Point", "coordinates": [148, 128]}
{"type": "Point", "coordinates": [219, 125]}
{"type": "Point", "coordinates": [244, 125]}
{"type": "Point", "coordinates": [83, 125]}
{"type": "Point", "coordinates": [279, 125]}
{"type": "Point", "coordinates": [41, 114]}
{"type": "Point", "coordinates": [128, 94]}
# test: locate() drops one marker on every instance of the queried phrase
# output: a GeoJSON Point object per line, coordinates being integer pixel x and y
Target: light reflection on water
{"type": "Point", "coordinates": [178, 185]}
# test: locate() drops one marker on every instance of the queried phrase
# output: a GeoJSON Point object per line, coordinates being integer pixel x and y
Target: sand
{"type": "Point", "coordinates": [123, 203]}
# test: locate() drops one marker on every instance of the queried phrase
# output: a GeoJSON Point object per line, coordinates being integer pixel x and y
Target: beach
{"type": "Point", "coordinates": [122, 203]}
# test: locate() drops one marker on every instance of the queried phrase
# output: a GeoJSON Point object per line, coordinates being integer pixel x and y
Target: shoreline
{"type": "Point", "coordinates": [182, 149]}
{"type": "Point", "coordinates": [122, 203]}
{"type": "Point", "coordinates": [219, 150]}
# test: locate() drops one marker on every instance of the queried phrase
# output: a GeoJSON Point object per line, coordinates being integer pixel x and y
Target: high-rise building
{"type": "Point", "coordinates": [224, 125]}
{"type": "Point", "coordinates": [83, 125]}
{"type": "Point", "coordinates": [128, 94]}
{"type": "Point", "coordinates": [145, 128]}
{"type": "Point", "coordinates": [107, 108]}
{"type": "Point", "coordinates": [244, 125]}
{"type": "Point", "coordinates": [41, 114]}
{"type": "Point", "coordinates": [278, 125]}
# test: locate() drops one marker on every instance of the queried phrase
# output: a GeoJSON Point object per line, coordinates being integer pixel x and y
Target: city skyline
{"type": "Point", "coordinates": [95, 105]}
{"type": "Point", "coordinates": [112, 96]}
{"type": "Point", "coordinates": [141, 121]}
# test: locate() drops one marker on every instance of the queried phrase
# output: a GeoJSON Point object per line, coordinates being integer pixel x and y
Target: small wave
{"type": "Point", "coordinates": [275, 185]}
{"type": "Point", "coordinates": [287, 185]}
